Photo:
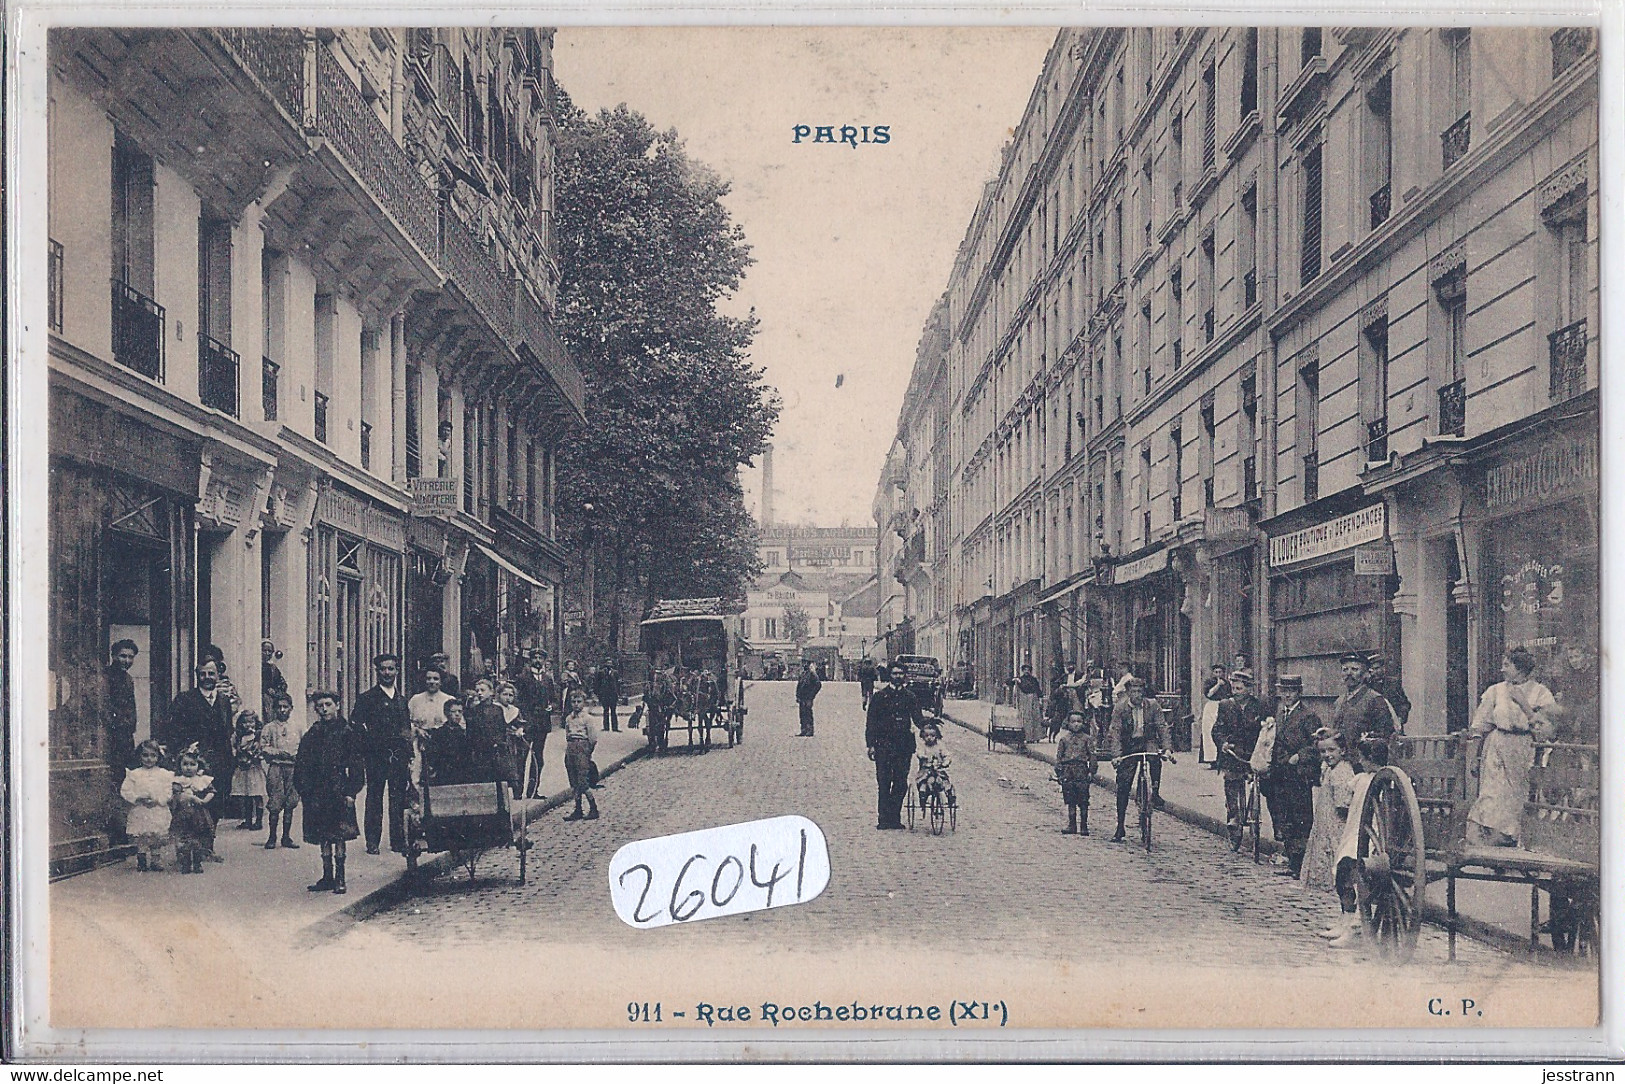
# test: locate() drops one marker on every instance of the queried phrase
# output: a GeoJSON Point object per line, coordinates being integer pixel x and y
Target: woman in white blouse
{"type": "Point", "coordinates": [1511, 714]}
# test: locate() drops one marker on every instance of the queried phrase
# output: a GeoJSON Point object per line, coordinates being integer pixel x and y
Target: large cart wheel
{"type": "Point", "coordinates": [1391, 865]}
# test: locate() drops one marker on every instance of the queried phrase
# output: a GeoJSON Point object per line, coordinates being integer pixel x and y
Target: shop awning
{"type": "Point", "coordinates": [1082, 580]}
{"type": "Point", "coordinates": [503, 563]}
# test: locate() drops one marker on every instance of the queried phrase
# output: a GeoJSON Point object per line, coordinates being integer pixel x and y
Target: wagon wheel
{"type": "Point", "coordinates": [1390, 870]}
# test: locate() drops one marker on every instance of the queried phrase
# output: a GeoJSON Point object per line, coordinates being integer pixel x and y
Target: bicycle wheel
{"type": "Point", "coordinates": [908, 803]}
{"type": "Point", "coordinates": [938, 813]}
{"type": "Point", "coordinates": [1142, 797]}
{"type": "Point", "coordinates": [953, 812]}
{"type": "Point", "coordinates": [533, 773]}
{"type": "Point", "coordinates": [1255, 817]}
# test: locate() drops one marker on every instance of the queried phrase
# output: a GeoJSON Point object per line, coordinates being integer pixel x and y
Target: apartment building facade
{"type": "Point", "coordinates": [304, 384]}
{"type": "Point", "coordinates": [1245, 359]}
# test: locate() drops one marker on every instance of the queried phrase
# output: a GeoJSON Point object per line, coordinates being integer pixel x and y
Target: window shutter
{"type": "Point", "coordinates": [1310, 252]}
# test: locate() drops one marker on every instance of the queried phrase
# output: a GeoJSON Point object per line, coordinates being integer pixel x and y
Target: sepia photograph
{"type": "Point", "coordinates": [711, 534]}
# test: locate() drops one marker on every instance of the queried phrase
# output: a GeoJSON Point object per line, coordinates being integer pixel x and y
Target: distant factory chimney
{"type": "Point", "coordinates": [767, 486]}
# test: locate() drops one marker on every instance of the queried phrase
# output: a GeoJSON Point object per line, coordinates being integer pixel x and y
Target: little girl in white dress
{"type": "Point", "coordinates": [147, 790]}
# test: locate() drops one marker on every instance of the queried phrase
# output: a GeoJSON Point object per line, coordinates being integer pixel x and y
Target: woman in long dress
{"type": "Point", "coordinates": [1510, 715]}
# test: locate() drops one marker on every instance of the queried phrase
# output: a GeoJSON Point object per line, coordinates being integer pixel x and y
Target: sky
{"type": "Point", "coordinates": [852, 245]}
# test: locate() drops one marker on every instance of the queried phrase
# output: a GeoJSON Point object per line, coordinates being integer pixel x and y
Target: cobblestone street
{"type": "Point", "coordinates": [1006, 881]}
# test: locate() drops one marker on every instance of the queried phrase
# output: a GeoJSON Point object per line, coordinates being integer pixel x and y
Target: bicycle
{"type": "Point", "coordinates": [1252, 812]}
{"type": "Point", "coordinates": [1141, 788]}
{"type": "Point", "coordinates": [935, 800]}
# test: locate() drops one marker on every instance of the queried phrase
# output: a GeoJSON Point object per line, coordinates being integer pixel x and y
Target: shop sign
{"type": "Point", "coordinates": [433, 496]}
{"type": "Point", "coordinates": [1142, 567]}
{"type": "Point", "coordinates": [1556, 470]}
{"type": "Point", "coordinates": [1228, 525]}
{"type": "Point", "coordinates": [1374, 559]}
{"type": "Point", "coordinates": [1367, 525]}
{"type": "Point", "coordinates": [820, 554]}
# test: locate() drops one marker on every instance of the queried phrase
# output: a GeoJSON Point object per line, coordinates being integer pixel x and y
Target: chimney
{"type": "Point", "coordinates": [767, 486]}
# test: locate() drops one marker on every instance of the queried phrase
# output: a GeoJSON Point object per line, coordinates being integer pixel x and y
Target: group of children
{"type": "Point", "coordinates": [176, 805]}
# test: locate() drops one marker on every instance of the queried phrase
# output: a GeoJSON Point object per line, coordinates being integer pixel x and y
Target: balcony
{"type": "Point", "coordinates": [1569, 47]}
{"type": "Point", "coordinates": [474, 273]}
{"type": "Point", "coordinates": [1456, 139]}
{"type": "Point", "coordinates": [1376, 440]}
{"type": "Point", "coordinates": [1311, 477]}
{"type": "Point", "coordinates": [138, 332]}
{"type": "Point", "coordinates": [321, 417]}
{"type": "Point", "coordinates": [1453, 409]}
{"type": "Point", "coordinates": [1249, 288]}
{"type": "Point", "coordinates": [366, 445]}
{"type": "Point", "coordinates": [269, 372]}
{"type": "Point", "coordinates": [1382, 204]}
{"type": "Point", "coordinates": [217, 367]}
{"type": "Point", "coordinates": [1568, 361]}
{"type": "Point", "coordinates": [54, 284]}
{"type": "Point", "coordinates": [276, 57]}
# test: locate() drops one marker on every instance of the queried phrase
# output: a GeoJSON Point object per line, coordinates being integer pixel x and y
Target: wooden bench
{"type": "Point", "coordinates": [1561, 832]}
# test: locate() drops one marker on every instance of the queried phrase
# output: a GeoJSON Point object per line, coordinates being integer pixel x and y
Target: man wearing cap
{"type": "Point", "coordinates": [1389, 689]}
{"type": "Point", "coordinates": [1235, 732]}
{"type": "Point", "coordinates": [1137, 727]}
{"type": "Point", "coordinates": [889, 734]}
{"type": "Point", "coordinates": [1294, 770]}
{"type": "Point", "coordinates": [1361, 716]}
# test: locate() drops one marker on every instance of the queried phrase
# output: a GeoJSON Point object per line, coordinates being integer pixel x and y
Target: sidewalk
{"type": "Point", "coordinates": [263, 891]}
{"type": "Point", "coordinates": [1194, 793]}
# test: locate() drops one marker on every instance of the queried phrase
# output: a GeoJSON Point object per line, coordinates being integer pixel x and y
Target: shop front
{"type": "Point", "coordinates": [1156, 631]}
{"type": "Point", "coordinates": [1328, 596]}
{"type": "Point", "coordinates": [357, 589]}
{"type": "Point", "coordinates": [1536, 520]}
{"type": "Point", "coordinates": [120, 524]}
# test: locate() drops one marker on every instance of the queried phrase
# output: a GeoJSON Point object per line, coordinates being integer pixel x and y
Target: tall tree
{"type": "Point", "coordinates": [674, 404]}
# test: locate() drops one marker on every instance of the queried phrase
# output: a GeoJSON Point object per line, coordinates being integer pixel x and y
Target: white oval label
{"type": "Point", "coordinates": [730, 870]}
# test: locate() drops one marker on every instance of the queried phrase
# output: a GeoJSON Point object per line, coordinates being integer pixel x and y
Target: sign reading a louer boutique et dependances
{"type": "Point", "coordinates": [1140, 568]}
{"type": "Point", "coordinates": [433, 496]}
{"type": "Point", "coordinates": [1345, 532]}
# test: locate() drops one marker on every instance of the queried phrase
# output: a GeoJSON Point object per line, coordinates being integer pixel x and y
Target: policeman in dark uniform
{"type": "Point", "coordinates": [1235, 732]}
{"type": "Point", "coordinates": [1361, 716]}
{"type": "Point", "coordinates": [889, 734]}
{"type": "Point", "coordinates": [1294, 771]}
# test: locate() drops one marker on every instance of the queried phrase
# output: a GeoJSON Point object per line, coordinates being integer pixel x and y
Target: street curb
{"type": "Point", "coordinates": [1173, 809]}
{"type": "Point", "coordinates": [400, 887]}
{"type": "Point", "coordinates": [1466, 926]}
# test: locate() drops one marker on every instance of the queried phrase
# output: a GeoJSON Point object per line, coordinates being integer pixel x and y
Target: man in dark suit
{"type": "Point", "coordinates": [537, 696]}
{"type": "Point", "coordinates": [1361, 716]}
{"type": "Point", "coordinates": [120, 708]}
{"type": "Point", "coordinates": [1137, 726]}
{"type": "Point", "coordinates": [202, 714]}
{"type": "Point", "coordinates": [1294, 770]}
{"type": "Point", "coordinates": [384, 725]}
{"type": "Point", "coordinates": [889, 734]}
{"type": "Point", "coordinates": [808, 686]}
{"type": "Point", "coordinates": [606, 686]}
{"type": "Point", "coordinates": [1235, 732]}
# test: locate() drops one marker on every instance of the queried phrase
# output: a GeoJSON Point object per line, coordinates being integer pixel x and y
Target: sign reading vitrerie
{"type": "Point", "coordinates": [731, 870]}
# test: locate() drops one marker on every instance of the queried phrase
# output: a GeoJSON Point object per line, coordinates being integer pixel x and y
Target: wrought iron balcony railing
{"type": "Point", "coordinates": [321, 417]}
{"type": "Point", "coordinates": [138, 331]}
{"type": "Point", "coordinates": [217, 368]}
{"type": "Point", "coordinates": [1453, 409]}
{"type": "Point", "coordinates": [276, 57]}
{"type": "Point", "coordinates": [1382, 204]}
{"type": "Point", "coordinates": [475, 273]}
{"type": "Point", "coordinates": [1376, 440]}
{"type": "Point", "coordinates": [269, 372]}
{"type": "Point", "coordinates": [1457, 139]}
{"type": "Point", "coordinates": [1569, 46]}
{"type": "Point", "coordinates": [1568, 361]}
{"type": "Point", "coordinates": [366, 146]}
{"type": "Point", "coordinates": [55, 286]}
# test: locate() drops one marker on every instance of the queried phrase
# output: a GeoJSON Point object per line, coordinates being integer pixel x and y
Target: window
{"type": "Point", "coordinates": [1379, 138]}
{"type": "Point", "coordinates": [532, 491]}
{"type": "Point", "coordinates": [1309, 244]}
{"type": "Point", "coordinates": [512, 496]}
{"type": "Point", "coordinates": [218, 365]}
{"type": "Point", "coordinates": [1451, 291]}
{"type": "Point", "coordinates": [1206, 288]}
{"type": "Point", "coordinates": [273, 320]}
{"type": "Point", "coordinates": [1249, 437]}
{"type": "Point", "coordinates": [1176, 318]}
{"type": "Point", "coordinates": [326, 318]}
{"type": "Point", "coordinates": [1145, 493]}
{"type": "Point", "coordinates": [132, 217]}
{"type": "Point", "coordinates": [1569, 47]}
{"type": "Point", "coordinates": [369, 392]}
{"type": "Point", "coordinates": [1566, 223]}
{"type": "Point", "coordinates": [1117, 374]}
{"type": "Point", "coordinates": [1247, 247]}
{"type": "Point", "coordinates": [1204, 453]}
{"type": "Point", "coordinates": [1249, 71]}
{"type": "Point", "coordinates": [1308, 427]}
{"type": "Point", "coordinates": [1308, 45]}
{"type": "Point", "coordinates": [1456, 138]}
{"type": "Point", "coordinates": [471, 425]}
{"type": "Point", "coordinates": [1145, 343]}
{"type": "Point", "coordinates": [414, 422]}
{"type": "Point", "coordinates": [1210, 115]}
{"type": "Point", "coordinates": [1176, 471]}
{"type": "Point", "coordinates": [1373, 378]}
{"type": "Point", "coordinates": [770, 628]}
